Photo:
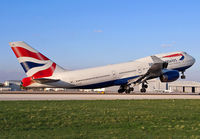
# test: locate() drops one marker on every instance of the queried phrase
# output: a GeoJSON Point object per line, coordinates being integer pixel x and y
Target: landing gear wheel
{"type": "Point", "coordinates": [131, 89]}
{"type": "Point", "coordinates": [120, 91]}
{"type": "Point", "coordinates": [143, 90]}
{"type": "Point", "coordinates": [128, 91]}
{"type": "Point", "coordinates": [125, 88]}
{"type": "Point", "coordinates": [182, 76]}
{"type": "Point", "coordinates": [145, 86]}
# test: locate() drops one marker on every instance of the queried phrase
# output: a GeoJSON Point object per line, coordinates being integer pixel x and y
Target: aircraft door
{"type": "Point", "coordinates": [114, 75]}
{"type": "Point", "coordinates": [139, 70]}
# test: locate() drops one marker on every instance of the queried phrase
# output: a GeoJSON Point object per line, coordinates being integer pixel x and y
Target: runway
{"type": "Point", "coordinates": [13, 97]}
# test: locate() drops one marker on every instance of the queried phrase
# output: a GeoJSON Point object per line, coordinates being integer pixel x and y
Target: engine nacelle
{"type": "Point", "coordinates": [169, 76]}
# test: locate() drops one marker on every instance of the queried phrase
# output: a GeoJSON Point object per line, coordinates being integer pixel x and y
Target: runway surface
{"type": "Point", "coordinates": [4, 97]}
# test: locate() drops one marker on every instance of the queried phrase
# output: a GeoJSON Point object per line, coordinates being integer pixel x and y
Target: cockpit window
{"type": "Point", "coordinates": [185, 53]}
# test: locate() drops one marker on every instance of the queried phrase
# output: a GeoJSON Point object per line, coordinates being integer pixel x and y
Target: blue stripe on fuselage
{"type": "Point", "coordinates": [106, 84]}
{"type": "Point", "coordinates": [29, 65]}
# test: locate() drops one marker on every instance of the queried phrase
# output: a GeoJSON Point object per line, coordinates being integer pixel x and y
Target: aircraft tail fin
{"type": "Point", "coordinates": [35, 64]}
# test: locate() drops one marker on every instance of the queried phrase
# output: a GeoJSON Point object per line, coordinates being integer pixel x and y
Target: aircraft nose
{"type": "Point", "coordinates": [192, 60]}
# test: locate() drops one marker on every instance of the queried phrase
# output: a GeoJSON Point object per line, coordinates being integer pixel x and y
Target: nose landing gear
{"type": "Point", "coordinates": [183, 75]}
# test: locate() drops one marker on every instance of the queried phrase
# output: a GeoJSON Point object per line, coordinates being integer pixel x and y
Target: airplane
{"type": "Point", "coordinates": [43, 73]}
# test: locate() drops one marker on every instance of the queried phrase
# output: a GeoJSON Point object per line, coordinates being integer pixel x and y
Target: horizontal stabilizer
{"type": "Point", "coordinates": [45, 80]}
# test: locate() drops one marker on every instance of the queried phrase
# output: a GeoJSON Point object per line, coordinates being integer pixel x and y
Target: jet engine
{"type": "Point", "coordinates": [169, 76]}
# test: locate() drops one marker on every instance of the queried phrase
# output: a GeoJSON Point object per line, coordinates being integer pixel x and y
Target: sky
{"type": "Point", "coordinates": [79, 34]}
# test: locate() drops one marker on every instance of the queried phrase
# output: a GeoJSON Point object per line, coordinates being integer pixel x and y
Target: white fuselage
{"type": "Point", "coordinates": [116, 74]}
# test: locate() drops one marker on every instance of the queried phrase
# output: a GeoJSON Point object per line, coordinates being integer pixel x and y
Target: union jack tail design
{"type": "Point", "coordinates": [35, 64]}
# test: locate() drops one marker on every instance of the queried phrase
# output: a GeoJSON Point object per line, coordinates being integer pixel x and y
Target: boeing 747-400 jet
{"type": "Point", "coordinates": [42, 72]}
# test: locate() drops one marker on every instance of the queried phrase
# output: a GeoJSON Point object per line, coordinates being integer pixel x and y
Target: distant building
{"type": "Point", "coordinates": [155, 85]}
{"type": "Point", "coordinates": [5, 89]}
{"type": "Point", "coordinates": [54, 89]}
{"type": "Point", "coordinates": [185, 86]}
{"type": "Point", "coordinates": [1, 84]}
{"type": "Point", "coordinates": [14, 85]}
{"type": "Point", "coordinates": [112, 89]}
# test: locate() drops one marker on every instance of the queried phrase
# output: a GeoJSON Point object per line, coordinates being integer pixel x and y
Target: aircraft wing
{"type": "Point", "coordinates": [154, 71]}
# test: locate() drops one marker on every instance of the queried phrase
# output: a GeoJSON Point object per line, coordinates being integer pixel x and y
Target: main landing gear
{"type": "Point", "coordinates": [128, 89]}
{"type": "Point", "coordinates": [183, 75]}
{"type": "Point", "coordinates": [125, 88]}
{"type": "Point", "coordinates": [144, 86]}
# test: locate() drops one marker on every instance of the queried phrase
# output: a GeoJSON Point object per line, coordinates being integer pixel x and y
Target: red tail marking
{"type": "Point", "coordinates": [21, 52]}
{"type": "Point", "coordinates": [27, 81]}
{"type": "Point", "coordinates": [43, 73]}
{"type": "Point", "coordinates": [173, 55]}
